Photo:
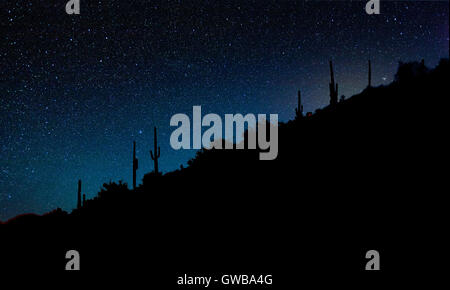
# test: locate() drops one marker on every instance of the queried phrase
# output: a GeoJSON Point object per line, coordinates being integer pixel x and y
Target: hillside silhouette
{"type": "Point", "coordinates": [356, 174]}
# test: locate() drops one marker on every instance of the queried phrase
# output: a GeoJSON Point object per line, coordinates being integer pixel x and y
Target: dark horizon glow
{"type": "Point", "coordinates": [78, 90]}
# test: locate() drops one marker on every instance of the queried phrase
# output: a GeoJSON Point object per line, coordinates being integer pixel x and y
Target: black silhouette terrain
{"type": "Point", "coordinates": [359, 174]}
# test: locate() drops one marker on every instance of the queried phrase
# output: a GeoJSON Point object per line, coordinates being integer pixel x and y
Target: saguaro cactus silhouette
{"type": "Point", "coordinates": [79, 194]}
{"type": "Point", "coordinates": [333, 87]}
{"type": "Point", "coordinates": [370, 74]}
{"type": "Point", "coordinates": [135, 164]}
{"type": "Point", "coordinates": [157, 154]}
{"type": "Point", "coordinates": [84, 199]}
{"type": "Point", "coordinates": [299, 109]}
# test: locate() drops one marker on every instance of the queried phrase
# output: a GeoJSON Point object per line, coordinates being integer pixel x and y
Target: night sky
{"type": "Point", "coordinates": [77, 90]}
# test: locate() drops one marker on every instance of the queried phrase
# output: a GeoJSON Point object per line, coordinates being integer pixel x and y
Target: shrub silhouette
{"type": "Point", "coordinates": [113, 190]}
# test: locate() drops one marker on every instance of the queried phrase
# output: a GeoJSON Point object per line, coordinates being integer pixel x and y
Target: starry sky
{"type": "Point", "coordinates": [77, 90]}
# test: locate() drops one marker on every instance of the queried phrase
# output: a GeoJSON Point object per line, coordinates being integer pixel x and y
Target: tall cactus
{"type": "Point", "coordinates": [157, 154]}
{"type": "Point", "coordinates": [333, 87]}
{"type": "Point", "coordinates": [299, 109]}
{"type": "Point", "coordinates": [79, 194]}
{"type": "Point", "coordinates": [370, 74]}
{"type": "Point", "coordinates": [84, 199]}
{"type": "Point", "coordinates": [135, 164]}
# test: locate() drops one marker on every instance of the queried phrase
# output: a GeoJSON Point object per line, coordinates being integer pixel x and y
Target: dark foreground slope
{"type": "Point", "coordinates": [361, 175]}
